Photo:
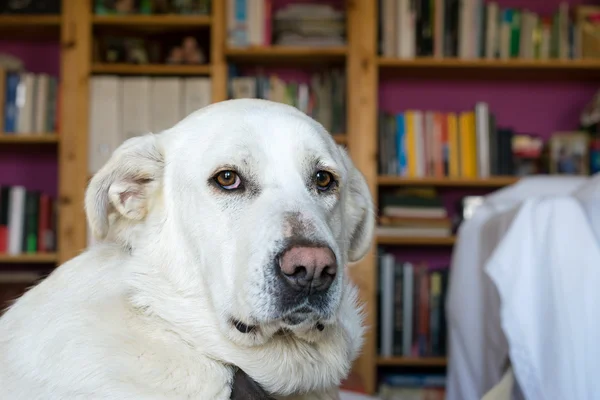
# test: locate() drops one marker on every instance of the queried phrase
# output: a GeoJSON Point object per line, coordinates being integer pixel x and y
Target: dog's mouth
{"type": "Point", "coordinates": [300, 316]}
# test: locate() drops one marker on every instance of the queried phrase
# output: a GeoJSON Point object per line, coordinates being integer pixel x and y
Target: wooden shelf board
{"type": "Point", "coordinates": [30, 27]}
{"type": "Point", "coordinates": [151, 69]}
{"type": "Point", "coordinates": [29, 258]}
{"type": "Point", "coordinates": [492, 182]}
{"type": "Point", "coordinates": [415, 241]}
{"type": "Point", "coordinates": [29, 20]}
{"type": "Point", "coordinates": [286, 53]}
{"type": "Point", "coordinates": [152, 20]}
{"type": "Point", "coordinates": [491, 69]}
{"type": "Point", "coordinates": [34, 138]}
{"type": "Point", "coordinates": [412, 361]}
{"type": "Point", "coordinates": [340, 138]}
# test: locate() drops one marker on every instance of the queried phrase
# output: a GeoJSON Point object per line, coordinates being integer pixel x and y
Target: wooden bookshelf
{"type": "Point", "coordinates": [39, 258]}
{"type": "Point", "coordinates": [415, 241]}
{"type": "Point", "coordinates": [364, 68]}
{"type": "Point", "coordinates": [492, 182]}
{"type": "Point", "coordinates": [412, 361]}
{"type": "Point", "coordinates": [34, 138]}
{"type": "Point", "coordinates": [151, 69]}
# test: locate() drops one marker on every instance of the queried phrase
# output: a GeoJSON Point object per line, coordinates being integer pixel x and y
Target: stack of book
{"type": "Point", "coordinates": [323, 97]}
{"type": "Point", "coordinates": [30, 103]}
{"type": "Point", "coordinates": [311, 25]}
{"type": "Point", "coordinates": [27, 221]}
{"type": "Point", "coordinates": [413, 213]}
{"type": "Point", "coordinates": [124, 107]}
{"type": "Point", "coordinates": [412, 318]}
{"type": "Point", "coordinates": [439, 144]}
{"type": "Point", "coordinates": [472, 29]}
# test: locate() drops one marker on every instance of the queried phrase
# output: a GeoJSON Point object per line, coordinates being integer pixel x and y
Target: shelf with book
{"type": "Point", "coordinates": [151, 69]}
{"type": "Point", "coordinates": [412, 361]}
{"type": "Point", "coordinates": [491, 182]}
{"type": "Point", "coordinates": [415, 241]}
{"type": "Point", "coordinates": [33, 258]}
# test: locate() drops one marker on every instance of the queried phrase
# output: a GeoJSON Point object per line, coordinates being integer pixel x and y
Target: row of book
{"type": "Point", "coordinates": [412, 386]}
{"type": "Point", "coordinates": [323, 97]}
{"type": "Point", "coordinates": [467, 144]}
{"type": "Point", "coordinates": [471, 29]}
{"type": "Point", "coordinates": [124, 107]}
{"type": "Point", "coordinates": [147, 7]}
{"type": "Point", "coordinates": [30, 102]}
{"type": "Point", "coordinates": [412, 317]}
{"type": "Point", "coordinates": [413, 212]}
{"type": "Point", "coordinates": [27, 221]}
{"type": "Point", "coordinates": [253, 23]}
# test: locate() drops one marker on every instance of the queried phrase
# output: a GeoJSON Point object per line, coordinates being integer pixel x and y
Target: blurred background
{"type": "Point", "coordinates": [440, 103]}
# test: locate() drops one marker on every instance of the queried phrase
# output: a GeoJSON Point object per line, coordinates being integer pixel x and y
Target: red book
{"type": "Point", "coordinates": [4, 196]}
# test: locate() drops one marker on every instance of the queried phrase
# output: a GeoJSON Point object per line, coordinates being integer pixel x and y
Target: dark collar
{"type": "Point", "coordinates": [245, 388]}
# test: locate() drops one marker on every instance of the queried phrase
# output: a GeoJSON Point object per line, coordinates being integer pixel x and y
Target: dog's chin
{"type": "Point", "coordinates": [305, 323]}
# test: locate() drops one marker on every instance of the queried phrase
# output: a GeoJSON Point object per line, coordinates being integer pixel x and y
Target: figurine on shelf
{"type": "Point", "coordinates": [175, 56]}
{"type": "Point", "coordinates": [188, 53]}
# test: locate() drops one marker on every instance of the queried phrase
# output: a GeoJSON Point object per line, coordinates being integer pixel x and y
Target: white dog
{"type": "Point", "coordinates": [223, 254]}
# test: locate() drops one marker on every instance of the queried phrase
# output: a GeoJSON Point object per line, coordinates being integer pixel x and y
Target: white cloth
{"type": "Point", "coordinates": [477, 348]}
{"type": "Point", "coordinates": [547, 273]}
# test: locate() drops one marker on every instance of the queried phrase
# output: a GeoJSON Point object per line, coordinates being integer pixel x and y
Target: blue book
{"type": "Point", "coordinates": [11, 110]}
{"type": "Point", "coordinates": [401, 144]}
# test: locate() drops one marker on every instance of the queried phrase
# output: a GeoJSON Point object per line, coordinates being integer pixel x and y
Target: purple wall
{"type": "Point", "coordinates": [35, 167]}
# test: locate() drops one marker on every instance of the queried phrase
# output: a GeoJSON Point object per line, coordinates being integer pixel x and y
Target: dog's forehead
{"type": "Point", "coordinates": [250, 129]}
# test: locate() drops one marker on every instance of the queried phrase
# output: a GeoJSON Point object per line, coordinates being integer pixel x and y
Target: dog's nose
{"type": "Point", "coordinates": [309, 267]}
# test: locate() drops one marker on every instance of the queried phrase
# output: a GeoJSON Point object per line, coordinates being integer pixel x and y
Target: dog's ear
{"type": "Point", "coordinates": [120, 190]}
{"type": "Point", "coordinates": [360, 212]}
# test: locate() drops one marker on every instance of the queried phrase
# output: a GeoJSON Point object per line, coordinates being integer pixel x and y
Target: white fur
{"type": "Point", "coordinates": [147, 313]}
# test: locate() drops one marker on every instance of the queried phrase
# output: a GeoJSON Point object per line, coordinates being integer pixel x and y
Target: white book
{"type": "Point", "coordinates": [407, 308]}
{"type": "Point", "coordinates": [104, 128]}
{"type": "Point", "coordinates": [387, 305]}
{"type": "Point", "coordinates": [42, 91]}
{"type": "Point", "coordinates": [389, 27]}
{"type": "Point", "coordinates": [197, 94]}
{"type": "Point", "coordinates": [135, 113]}
{"type": "Point", "coordinates": [492, 30]}
{"type": "Point", "coordinates": [482, 133]}
{"type": "Point", "coordinates": [165, 103]}
{"type": "Point", "coordinates": [16, 219]}
{"type": "Point", "coordinates": [25, 103]}
{"type": "Point", "coordinates": [403, 29]}
{"type": "Point", "coordinates": [420, 142]}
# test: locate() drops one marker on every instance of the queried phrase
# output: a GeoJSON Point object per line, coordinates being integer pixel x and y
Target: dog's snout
{"type": "Point", "coordinates": [309, 267]}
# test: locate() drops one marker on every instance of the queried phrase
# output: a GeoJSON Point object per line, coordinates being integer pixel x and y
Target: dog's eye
{"type": "Point", "coordinates": [228, 180]}
{"type": "Point", "coordinates": [324, 180]}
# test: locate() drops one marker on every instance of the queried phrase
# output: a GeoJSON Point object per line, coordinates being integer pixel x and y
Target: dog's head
{"type": "Point", "coordinates": [259, 202]}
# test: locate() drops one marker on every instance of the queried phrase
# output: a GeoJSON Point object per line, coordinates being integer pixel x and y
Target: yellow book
{"type": "Point", "coordinates": [453, 146]}
{"type": "Point", "coordinates": [411, 159]}
{"type": "Point", "coordinates": [468, 145]}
